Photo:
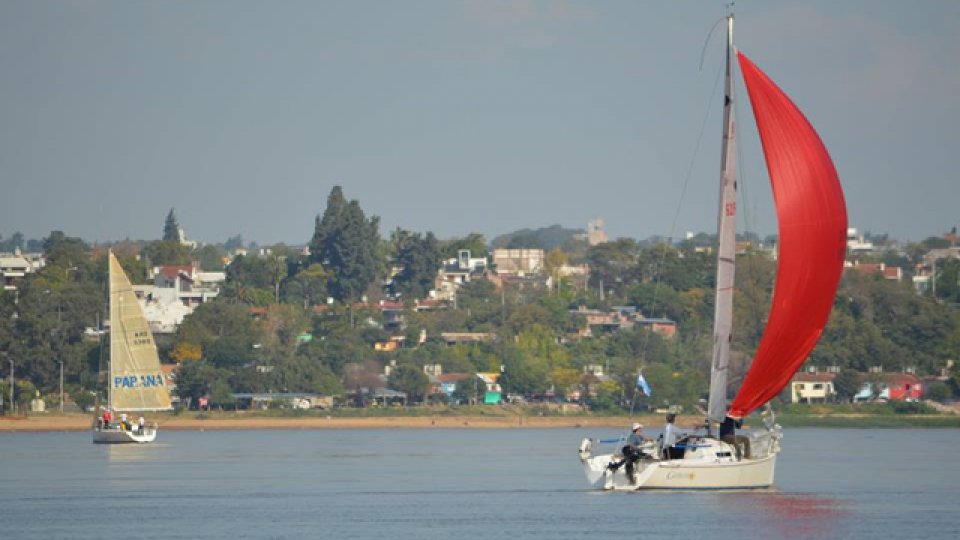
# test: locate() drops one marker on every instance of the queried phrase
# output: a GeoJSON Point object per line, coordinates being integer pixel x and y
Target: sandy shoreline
{"type": "Point", "coordinates": [247, 421]}
{"type": "Point", "coordinates": [241, 422]}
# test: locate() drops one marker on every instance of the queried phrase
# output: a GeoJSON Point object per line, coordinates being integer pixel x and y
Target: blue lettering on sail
{"type": "Point", "coordinates": [125, 382]}
{"type": "Point", "coordinates": [143, 381]}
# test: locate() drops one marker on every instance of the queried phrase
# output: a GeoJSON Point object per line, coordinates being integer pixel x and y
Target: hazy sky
{"type": "Point", "coordinates": [456, 116]}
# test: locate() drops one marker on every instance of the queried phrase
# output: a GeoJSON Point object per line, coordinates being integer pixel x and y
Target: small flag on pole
{"type": "Point", "coordinates": [642, 384]}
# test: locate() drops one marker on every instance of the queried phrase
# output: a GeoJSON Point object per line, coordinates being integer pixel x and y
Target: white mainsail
{"type": "Point", "coordinates": [726, 251]}
{"type": "Point", "coordinates": [136, 382]}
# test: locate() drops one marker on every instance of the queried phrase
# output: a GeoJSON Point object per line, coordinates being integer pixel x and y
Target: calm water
{"type": "Point", "coordinates": [471, 484]}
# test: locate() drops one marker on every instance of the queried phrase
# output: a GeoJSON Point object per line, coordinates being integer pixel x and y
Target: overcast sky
{"type": "Point", "coordinates": [456, 116]}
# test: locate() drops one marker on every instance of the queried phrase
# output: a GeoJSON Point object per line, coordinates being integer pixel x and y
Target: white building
{"type": "Point", "coordinates": [856, 242]}
{"type": "Point", "coordinates": [14, 266]}
{"type": "Point", "coordinates": [456, 272]}
{"type": "Point", "coordinates": [518, 262]}
{"type": "Point", "coordinates": [175, 293]}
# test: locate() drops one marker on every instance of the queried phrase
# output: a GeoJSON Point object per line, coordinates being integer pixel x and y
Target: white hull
{"type": "Point", "coordinates": [119, 436]}
{"type": "Point", "coordinates": [707, 464]}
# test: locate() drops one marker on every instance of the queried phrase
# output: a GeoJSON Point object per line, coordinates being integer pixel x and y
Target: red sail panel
{"type": "Point", "coordinates": [812, 220]}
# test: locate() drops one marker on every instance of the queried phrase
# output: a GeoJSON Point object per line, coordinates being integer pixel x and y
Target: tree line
{"type": "Point", "coordinates": [318, 317]}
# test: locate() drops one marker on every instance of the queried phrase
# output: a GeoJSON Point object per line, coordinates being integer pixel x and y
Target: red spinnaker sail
{"type": "Point", "coordinates": [812, 220]}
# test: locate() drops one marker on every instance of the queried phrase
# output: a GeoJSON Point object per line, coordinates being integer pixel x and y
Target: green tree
{"type": "Point", "coordinates": [229, 352]}
{"type": "Point", "coordinates": [470, 390]}
{"type": "Point", "coordinates": [194, 380]}
{"type": "Point", "coordinates": [307, 288]}
{"type": "Point", "coordinates": [409, 379]}
{"type": "Point", "coordinates": [171, 229]}
{"type": "Point", "coordinates": [347, 244]}
{"type": "Point", "coordinates": [937, 391]}
{"type": "Point", "coordinates": [523, 375]}
{"type": "Point", "coordinates": [671, 386]}
{"type": "Point", "coordinates": [221, 394]}
{"type": "Point", "coordinates": [234, 242]}
{"type": "Point", "coordinates": [751, 304]}
{"type": "Point", "coordinates": [614, 266]}
{"type": "Point", "coordinates": [229, 325]}
{"type": "Point", "coordinates": [606, 396]}
{"type": "Point", "coordinates": [254, 280]}
{"type": "Point", "coordinates": [419, 258]}
{"type": "Point", "coordinates": [210, 257]}
{"type": "Point", "coordinates": [846, 384]}
{"type": "Point", "coordinates": [564, 379]}
{"type": "Point", "coordinates": [65, 251]}
{"type": "Point", "coordinates": [166, 252]}
{"type": "Point", "coordinates": [473, 242]}
{"type": "Point", "coordinates": [948, 281]}
{"type": "Point", "coordinates": [13, 243]}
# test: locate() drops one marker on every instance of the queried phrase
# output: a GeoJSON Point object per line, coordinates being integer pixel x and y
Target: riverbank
{"type": "Point", "coordinates": [254, 421]}
{"type": "Point", "coordinates": [277, 420]}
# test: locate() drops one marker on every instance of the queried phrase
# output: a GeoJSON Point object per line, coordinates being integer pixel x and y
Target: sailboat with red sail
{"type": "Point", "coordinates": [812, 222]}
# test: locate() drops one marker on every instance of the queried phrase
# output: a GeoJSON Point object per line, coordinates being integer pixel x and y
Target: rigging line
{"type": "Point", "coordinates": [706, 42]}
{"type": "Point", "coordinates": [676, 216]}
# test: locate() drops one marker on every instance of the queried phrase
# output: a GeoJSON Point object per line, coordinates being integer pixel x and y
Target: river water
{"type": "Point", "coordinates": [470, 484]}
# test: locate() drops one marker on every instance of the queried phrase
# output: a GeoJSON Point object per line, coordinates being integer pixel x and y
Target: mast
{"type": "Point", "coordinates": [110, 309]}
{"type": "Point", "coordinates": [726, 248]}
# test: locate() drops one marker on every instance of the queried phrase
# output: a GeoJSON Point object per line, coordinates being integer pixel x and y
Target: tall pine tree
{"type": "Point", "coordinates": [171, 229]}
{"type": "Point", "coordinates": [347, 244]}
{"type": "Point", "coordinates": [419, 257]}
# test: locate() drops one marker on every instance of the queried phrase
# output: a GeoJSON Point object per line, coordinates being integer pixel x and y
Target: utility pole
{"type": "Point", "coordinates": [934, 279]}
{"type": "Point", "coordinates": [12, 402]}
{"type": "Point", "coordinates": [61, 385]}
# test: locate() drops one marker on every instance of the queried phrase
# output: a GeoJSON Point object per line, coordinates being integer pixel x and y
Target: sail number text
{"type": "Point", "coordinates": [141, 338]}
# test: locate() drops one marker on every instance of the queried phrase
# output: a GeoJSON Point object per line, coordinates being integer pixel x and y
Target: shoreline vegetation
{"type": "Point", "coordinates": [465, 418]}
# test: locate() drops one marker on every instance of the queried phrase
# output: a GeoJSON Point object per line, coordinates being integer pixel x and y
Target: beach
{"type": "Point", "coordinates": [444, 419]}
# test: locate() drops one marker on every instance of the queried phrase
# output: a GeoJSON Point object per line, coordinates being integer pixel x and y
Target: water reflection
{"type": "Point", "coordinates": [791, 515]}
{"type": "Point", "coordinates": [131, 453]}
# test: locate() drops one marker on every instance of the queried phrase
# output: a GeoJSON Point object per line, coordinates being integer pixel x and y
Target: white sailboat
{"type": "Point", "coordinates": [812, 222]}
{"type": "Point", "coordinates": [135, 383]}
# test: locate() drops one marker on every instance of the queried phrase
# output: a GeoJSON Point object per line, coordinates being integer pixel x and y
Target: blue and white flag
{"type": "Point", "coordinates": [642, 384]}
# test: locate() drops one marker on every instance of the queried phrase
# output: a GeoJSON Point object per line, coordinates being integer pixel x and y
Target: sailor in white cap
{"type": "Point", "coordinates": [631, 451]}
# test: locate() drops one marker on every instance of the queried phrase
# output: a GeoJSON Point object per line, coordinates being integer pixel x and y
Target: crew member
{"type": "Point", "coordinates": [728, 434]}
{"type": "Point", "coordinates": [671, 436]}
{"type": "Point", "coordinates": [631, 452]}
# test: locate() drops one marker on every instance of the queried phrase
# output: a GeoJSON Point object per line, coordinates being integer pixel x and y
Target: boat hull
{"type": "Point", "coordinates": [711, 465]}
{"type": "Point", "coordinates": [119, 436]}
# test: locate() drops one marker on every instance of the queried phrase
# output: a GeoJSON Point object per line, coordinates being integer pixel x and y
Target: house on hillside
{"type": "Point", "coordinates": [455, 272]}
{"type": "Point", "coordinates": [892, 273]}
{"type": "Point", "coordinates": [14, 266]}
{"type": "Point", "coordinates": [518, 262]}
{"type": "Point", "coordinates": [856, 243]}
{"type": "Point", "coordinates": [176, 291]}
{"type": "Point", "coordinates": [812, 387]}
{"type": "Point", "coordinates": [923, 276]}
{"type": "Point", "coordinates": [449, 382]}
{"type": "Point", "coordinates": [453, 338]}
{"type": "Point", "coordinates": [621, 318]}
{"type": "Point", "coordinates": [890, 387]}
